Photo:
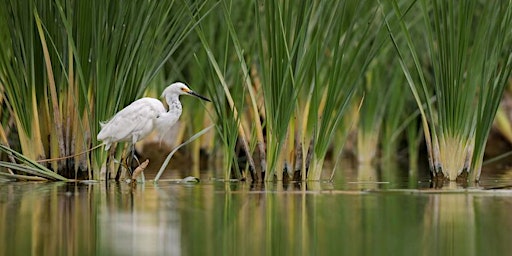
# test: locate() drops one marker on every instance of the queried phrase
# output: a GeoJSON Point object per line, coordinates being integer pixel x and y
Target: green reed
{"type": "Point", "coordinates": [225, 86]}
{"type": "Point", "coordinates": [299, 65]}
{"type": "Point", "coordinates": [336, 81]}
{"type": "Point", "coordinates": [382, 109]}
{"type": "Point", "coordinates": [467, 77]}
{"type": "Point", "coordinates": [67, 65]}
{"type": "Point", "coordinates": [289, 80]}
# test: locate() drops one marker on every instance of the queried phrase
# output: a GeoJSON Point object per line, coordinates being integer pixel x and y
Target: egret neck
{"type": "Point", "coordinates": [173, 100]}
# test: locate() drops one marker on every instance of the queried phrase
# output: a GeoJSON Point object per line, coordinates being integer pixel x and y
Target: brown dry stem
{"type": "Point", "coordinates": [140, 169]}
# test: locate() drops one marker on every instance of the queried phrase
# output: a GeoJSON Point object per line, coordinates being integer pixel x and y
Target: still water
{"type": "Point", "coordinates": [219, 218]}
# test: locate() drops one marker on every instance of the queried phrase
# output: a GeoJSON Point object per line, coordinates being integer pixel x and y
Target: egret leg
{"type": "Point", "coordinates": [128, 161]}
{"type": "Point", "coordinates": [109, 164]}
{"type": "Point", "coordinates": [119, 171]}
{"type": "Point", "coordinates": [123, 160]}
{"type": "Point", "coordinates": [135, 157]}
{"type": "Point", "coordinates": [132, 156]}
{"type": "Point", "coordinates": [107, 167]}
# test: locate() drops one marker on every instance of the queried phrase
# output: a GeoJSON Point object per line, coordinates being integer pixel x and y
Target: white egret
{"type": "Point", "coordinates": [136, 121]}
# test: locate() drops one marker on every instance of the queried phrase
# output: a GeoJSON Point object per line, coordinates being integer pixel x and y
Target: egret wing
{"type": "Point", "coordinates": [134, 120]}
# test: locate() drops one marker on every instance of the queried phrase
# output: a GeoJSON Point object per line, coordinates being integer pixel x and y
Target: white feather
{"type": "Point", "coordinates": [140, 118]}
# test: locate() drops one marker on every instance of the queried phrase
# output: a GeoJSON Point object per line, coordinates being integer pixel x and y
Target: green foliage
{"type": "Point", "coordinates": [304, 67]}
{"type": "Point", "coordinates": [27, 166]}
{"type": "Point", "coordinates": [229, 92]}
{"type": "Point", "coordinates": [101, 56]}
{"type": "Point", "coordinates": [467, 77]}
{"type": "Point", "coordinates": [287, 78]}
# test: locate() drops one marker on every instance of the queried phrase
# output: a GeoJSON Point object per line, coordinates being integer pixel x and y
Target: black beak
{"type": "Point", "coordinates": [199, 96]}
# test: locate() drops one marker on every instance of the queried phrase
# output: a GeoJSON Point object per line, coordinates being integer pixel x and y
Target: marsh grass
{"type": "Point", "coordinates": [290, 81]}
{"type": "Point", "coordinates": [66, 66]}
{"type": "Point", "coordinates": [382, 110]}
{"type": "Point", "coordinates": [230, 88]}
{"type": "Point", "coordinates": [33, 170]}
{"type": "Point", "coordinates": [467, 77]}
{"type": "Point", "coordinates": [297, 78]}
{"type": "Point", "coordinates": [338, 38]}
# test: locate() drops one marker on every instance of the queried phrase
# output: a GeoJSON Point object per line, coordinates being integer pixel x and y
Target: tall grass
{"type": "Point", "coordinates": [66, 65]}
{"type": "Point", "coordinates": [382, 108]}
{"type": "Point", "coordinates": [329, 63]}
{"type": "Point", "coordinates": [228, 86]}
{"type": "Point", "coordinates": [298, 79]}
{"type": "Point", "coordinates": [283, 67]}
{"type": "Point", "coordinates": [288, 79]}
{"type": "Point", "coordinates": [467, 76]}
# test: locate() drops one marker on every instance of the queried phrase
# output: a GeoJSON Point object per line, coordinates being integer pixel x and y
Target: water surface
{"type": "Point", "coordinates": [219, 218]}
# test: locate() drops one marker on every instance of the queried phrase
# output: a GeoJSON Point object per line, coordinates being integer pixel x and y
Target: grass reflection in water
{"type": "Point", "coordinates": [239, 219]}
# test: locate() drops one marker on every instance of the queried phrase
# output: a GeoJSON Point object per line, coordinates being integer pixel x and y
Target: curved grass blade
{"type": "Point", "coordinates": [31, 167]}
{"type": "Point", "coordinates": [22, 177]}
{"type": "Point", "coordinates": [166, 162]}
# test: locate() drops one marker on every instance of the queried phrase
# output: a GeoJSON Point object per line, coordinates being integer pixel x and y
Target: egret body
{"type": "Point", "coordinates": [137, 120]}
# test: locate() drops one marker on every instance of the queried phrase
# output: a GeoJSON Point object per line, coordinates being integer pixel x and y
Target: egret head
{"type": "Point", "coordinates": [177, 89]}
